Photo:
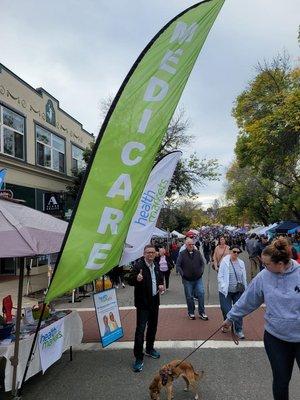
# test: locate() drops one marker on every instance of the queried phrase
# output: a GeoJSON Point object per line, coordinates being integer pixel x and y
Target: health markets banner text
{"type": "Point", "coordinates": [145, 218]}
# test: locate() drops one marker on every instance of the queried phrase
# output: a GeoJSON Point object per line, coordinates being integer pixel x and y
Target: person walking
{"type": "Point", "coordinates": [206, 249]}
{"type": "Point", "coordinates": [232, 281]}
{"type": "Point", "coordinates": [253, 252]}
{"type": "Point", "coordinates": [221, 250]}
{"type": "Point", "coordinates": [262, 244]}
{"type": "Point", "coordinates": [278, 286]}
{"type": "Point", "coordinates": [148, 283]}
{"type": "Point", "coordinates": [190, 265]}
{"type": "Point", "coordinates": [166, 264]}
{"type": "Point", "coordinates": [174, 251]}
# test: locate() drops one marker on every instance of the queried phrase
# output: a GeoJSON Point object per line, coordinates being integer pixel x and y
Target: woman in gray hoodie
{"type": "Point", "coordinates": [278, 286]}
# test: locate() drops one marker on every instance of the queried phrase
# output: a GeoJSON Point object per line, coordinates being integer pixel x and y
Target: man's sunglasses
{"type": "Point", "coordinates": [236, 251]}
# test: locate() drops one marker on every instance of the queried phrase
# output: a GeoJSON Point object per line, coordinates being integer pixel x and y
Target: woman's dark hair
{"type": "Point", "coordinates": [219, 240]}
{"type": "Point", "coordinates": [278, 250]}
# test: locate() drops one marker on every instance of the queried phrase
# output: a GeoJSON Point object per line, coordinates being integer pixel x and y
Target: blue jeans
{"type": "Point", "coordinates": [226, 304]}
{"type": "Point", "coordinates": [191, 289]}
{"type": "Point", "coordinates": [282, 356]}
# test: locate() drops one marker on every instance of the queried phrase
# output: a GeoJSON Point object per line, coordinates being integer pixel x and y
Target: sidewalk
{"type": "Point", "coordinates": [173, 325]}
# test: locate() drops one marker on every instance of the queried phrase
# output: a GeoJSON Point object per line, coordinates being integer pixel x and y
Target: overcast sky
{"type": "Point", "coordinates": [80, 52]}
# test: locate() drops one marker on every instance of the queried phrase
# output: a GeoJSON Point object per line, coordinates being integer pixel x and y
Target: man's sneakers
{"type": "Point", "coordinates": [137, 366]}
{"type": "Point", "coordinates": [240, 334]}
{"type": "Point", "coordinates": [191, 316]}
{"type": "Point", "coordinates": [152, 353]}
{"type": "Point", "coordinates": [203, 316]}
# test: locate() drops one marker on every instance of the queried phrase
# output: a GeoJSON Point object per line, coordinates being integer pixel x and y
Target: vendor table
{"type": "Point", "coordinates": [73, 334]}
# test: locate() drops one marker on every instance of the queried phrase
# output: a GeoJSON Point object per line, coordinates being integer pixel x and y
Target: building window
{"type": "Point", "coordinates": [78, 162]}
{"type": "Point", "coordinates": [50, 150]}
{"type": "Point", "coordinates": [12, 131]}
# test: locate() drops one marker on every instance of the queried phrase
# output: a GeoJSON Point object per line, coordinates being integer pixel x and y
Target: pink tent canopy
{"type": "Point", "coordinates": [27, 232]}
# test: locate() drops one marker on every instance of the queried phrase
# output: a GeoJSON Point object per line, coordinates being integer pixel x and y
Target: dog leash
{"type": "Point", "coordinates": [233, 336]}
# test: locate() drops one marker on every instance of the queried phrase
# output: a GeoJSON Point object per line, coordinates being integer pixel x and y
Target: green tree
{"type": "Point", "coordinates": [268, 145]}
{"type": "Point", "coordinates": [248, 196]}
{"type": "Point", "coordinates": [183, 216]}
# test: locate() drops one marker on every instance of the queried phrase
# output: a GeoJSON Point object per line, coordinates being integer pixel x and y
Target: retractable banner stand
{"type": "Point", "coordinates": [108, 316]}
{"type": "Point", "coordinates": [126, 147]}
{"type": "Point", "coordinates": [144, 220]}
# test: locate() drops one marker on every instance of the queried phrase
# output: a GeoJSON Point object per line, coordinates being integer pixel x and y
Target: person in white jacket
{"type": "Point", "coordinates": [232, 282]}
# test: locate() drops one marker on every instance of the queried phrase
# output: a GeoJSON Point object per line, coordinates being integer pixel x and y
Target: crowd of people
{"type": "Point", "coordinates": [274, 281]}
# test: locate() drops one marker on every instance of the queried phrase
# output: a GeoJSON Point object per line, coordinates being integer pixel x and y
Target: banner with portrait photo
{"type": "Point", "coordinates": [108, 316]}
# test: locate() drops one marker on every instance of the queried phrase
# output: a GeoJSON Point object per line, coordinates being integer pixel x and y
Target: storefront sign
{"type": "Point", "coordinates": [50, 342]}
{"type": "Point", "coordinates": [52, 203]}
{"type": "Point", "coordinates": [108, 316]}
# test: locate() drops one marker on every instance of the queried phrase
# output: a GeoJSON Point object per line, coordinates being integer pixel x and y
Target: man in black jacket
{"type": "Point", "coordinates": [190, 265]}
{"type": "Point", "coordinates": [147, 282]}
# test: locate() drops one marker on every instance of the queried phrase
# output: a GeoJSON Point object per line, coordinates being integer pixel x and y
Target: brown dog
{"type": "Point", "coordinates": [171, 371]}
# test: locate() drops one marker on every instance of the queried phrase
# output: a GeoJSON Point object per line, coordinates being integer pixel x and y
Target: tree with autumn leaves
{"type": "Point", "coordinates": [263, 182]}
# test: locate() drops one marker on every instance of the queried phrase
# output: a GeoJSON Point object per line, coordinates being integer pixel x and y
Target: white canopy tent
{"type": "Point", "coordinates": [230, 228]}
{"type": "Point", "coordinates": [179, 235]}
{"type": "Point", "coordinates": [25, 232]}
{"type": "Point", "coordinates": [255, 230]}
{"type": "Point", "coordinates": [262, 230]}
{"type": "Point", "coordinates": [159, 233]}
{"type": "Point", "coordinates": [267, 228]}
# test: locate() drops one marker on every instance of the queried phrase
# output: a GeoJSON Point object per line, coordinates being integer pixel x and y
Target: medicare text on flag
{"type": "Point", "coordinates": [126, 148]}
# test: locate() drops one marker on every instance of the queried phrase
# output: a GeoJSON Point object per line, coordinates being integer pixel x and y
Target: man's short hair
{"type": "Point", "coordinates": [149, 246]}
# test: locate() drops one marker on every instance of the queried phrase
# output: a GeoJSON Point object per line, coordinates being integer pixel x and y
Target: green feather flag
{"type": "Point", "coordinates": [126, 148]}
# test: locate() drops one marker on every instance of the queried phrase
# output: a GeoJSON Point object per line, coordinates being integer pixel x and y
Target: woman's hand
{"type": "Point", "coordinates": [226, 324]}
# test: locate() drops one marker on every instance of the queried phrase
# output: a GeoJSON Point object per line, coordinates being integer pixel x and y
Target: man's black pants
{"type": "Point", "coordinates": [282, 356]}
{"type": "Point", "coordinates": [145, 317]}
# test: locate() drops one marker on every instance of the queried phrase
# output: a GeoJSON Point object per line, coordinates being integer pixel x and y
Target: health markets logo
{"type": "Point", "coordinates": [105, 298]}
{"type": "Point", "coordinates": [51, 337]}
{"type": "Point", "coordinates": [151, 203]}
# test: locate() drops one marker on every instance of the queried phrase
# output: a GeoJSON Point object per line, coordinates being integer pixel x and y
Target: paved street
{"type": "Point", "coordinates": [231, 372]}
{"type": "Point", "coordinates": [238, 374]}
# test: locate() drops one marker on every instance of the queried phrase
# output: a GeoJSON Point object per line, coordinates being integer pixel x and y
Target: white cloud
{"type": "Point", "coordinates": [81, 52]}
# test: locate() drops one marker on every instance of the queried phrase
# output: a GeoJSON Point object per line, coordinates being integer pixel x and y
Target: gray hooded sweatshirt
{"type": "Point", "coordinates": [281, 295]}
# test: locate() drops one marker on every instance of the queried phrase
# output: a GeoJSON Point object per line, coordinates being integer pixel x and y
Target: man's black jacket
{"type": "Point", "coordinates": [143, 297]}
